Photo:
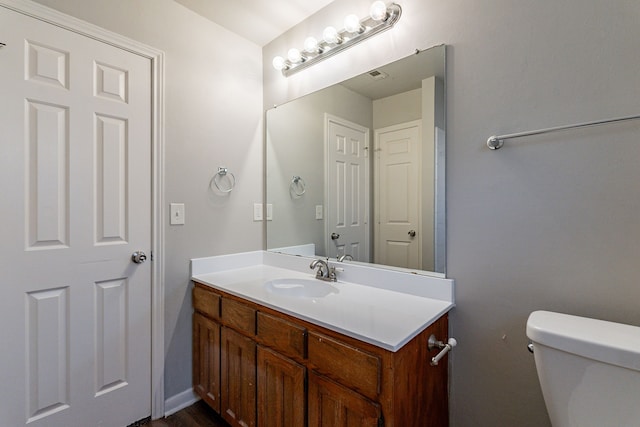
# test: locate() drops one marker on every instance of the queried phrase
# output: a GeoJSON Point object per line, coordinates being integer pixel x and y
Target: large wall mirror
{"type": "Point", "coordinates": [356, 171]}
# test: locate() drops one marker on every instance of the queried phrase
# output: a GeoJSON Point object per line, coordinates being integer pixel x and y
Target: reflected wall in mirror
{"type": "Point", "coordinates": [356, 170]}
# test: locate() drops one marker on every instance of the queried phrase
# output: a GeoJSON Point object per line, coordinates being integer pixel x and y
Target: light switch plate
{"type": "Point", "coordinates": [176, 214]}
{"type": "Point", "coordinates": [269, 212]}
{"type": "Point", "coordinates": [318, 211]}
{"type": "Point", "coordinates": [257, 211]}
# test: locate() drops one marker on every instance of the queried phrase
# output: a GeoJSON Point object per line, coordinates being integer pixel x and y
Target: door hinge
{"type": "Point", "coordinates": [151, 255]}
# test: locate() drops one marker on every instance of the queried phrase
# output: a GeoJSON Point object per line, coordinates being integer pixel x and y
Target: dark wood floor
{"type": "Point", "coordinates": [196, 415]}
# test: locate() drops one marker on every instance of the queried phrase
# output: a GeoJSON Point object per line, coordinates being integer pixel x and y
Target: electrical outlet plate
{"type": "Point", "coordinates": [257, 211]}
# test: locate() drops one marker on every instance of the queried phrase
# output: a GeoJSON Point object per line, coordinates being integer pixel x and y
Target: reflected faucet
{"type": "Point", "coordinates": [326, 273]}
{"type": "Point", "coordinates": [345, 257]}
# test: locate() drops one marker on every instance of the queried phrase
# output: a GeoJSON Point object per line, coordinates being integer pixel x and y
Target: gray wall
{"type": "Point", "coordinates": [549, 222]}
{"type": "Point", "coordinates": [213, 118]}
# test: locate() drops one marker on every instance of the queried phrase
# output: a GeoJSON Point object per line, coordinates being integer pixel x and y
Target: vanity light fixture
{"type": "Point", "coordinates": [381, 17]}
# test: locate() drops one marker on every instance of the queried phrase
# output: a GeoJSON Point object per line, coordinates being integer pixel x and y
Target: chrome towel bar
{"type": "Point", "coordinates": [434, 343]}
{"type": "Point", "coordinates": [496, 142]}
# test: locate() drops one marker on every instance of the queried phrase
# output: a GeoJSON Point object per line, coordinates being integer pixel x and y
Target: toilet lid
{"type": "Point", "coordinates": [609, 342]}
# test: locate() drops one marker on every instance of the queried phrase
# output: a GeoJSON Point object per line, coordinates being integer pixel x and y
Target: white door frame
{"type": "Point", "coordinates": [156, 57]}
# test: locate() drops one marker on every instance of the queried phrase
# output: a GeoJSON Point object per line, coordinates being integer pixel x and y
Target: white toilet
{"type": "Point", "coordinates": [589, 370]}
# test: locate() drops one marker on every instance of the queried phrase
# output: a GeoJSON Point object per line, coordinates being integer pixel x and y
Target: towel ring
{"type": "Point", "coordinates": [298, 183]}
{"type": "Point", "coordinates": [222, 172]}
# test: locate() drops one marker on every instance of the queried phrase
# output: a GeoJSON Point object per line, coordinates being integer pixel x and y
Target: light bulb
{"type": "Point", "coordinates": [330, 35]}
{"type": "Point", "coordinates": [378, 11]}
{"type": "Point", "coordinates": [311, 45]}
{"type": "Point", "coordinates": [295, 56]}
{"type": "Point", "coordinates": [352, 24]}
{"type": "Point", "coordinates": [278, 63]}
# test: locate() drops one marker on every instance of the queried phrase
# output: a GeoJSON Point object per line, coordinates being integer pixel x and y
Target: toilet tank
{"type": "Point", "coordinates": [589, 370]}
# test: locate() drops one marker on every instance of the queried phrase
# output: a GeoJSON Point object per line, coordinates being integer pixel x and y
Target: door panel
{"type": "Point", "coordinates": [238, 379]}
{"type": "Point", "coordinates": [332, 405]}
{"type": "Point", "coordinates": [347, 189]}
{"type": "Point", "coordinates": [206, 360]}
{"type": "Point", "coordinates": [397, 189]}
{"type": "Point", "coordinates": [75, 178]}
{"type": "Point", "coordinates": [281, 392]}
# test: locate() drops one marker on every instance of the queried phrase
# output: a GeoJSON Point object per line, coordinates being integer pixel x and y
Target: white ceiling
{"type": "Point", "coordinates": [260, 21]}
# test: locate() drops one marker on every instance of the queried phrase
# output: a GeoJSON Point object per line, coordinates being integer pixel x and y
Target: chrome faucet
{"type": "Point", "coordinates": [326, 273]}
{"type": "Point", "coordinates": [345, 257]}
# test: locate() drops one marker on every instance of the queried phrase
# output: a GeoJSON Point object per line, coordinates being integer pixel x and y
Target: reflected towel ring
{"type": "Point", "coordinates": [222, 172]}
{"type": "Point", "coordinates": [297, 184]}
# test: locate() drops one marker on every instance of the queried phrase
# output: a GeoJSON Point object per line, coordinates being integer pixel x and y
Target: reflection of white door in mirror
{"type": "Point", "coordinates": [397, 192]}
{"type": "Point", "coordinates": [347, 181]}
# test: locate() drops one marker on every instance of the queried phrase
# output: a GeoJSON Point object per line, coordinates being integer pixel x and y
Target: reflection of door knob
{"type": "Point", "coordinates": [335, 236]}
{"type": "Point", "coordinates": [138, 257]}
{"type": "Point", "coordinates": [412, 233]}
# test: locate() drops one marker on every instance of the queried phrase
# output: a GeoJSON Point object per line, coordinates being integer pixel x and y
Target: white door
{"type": "Point", "coordinates": [397, 191]}
{"type": "Point", "coordinates": [347, 189]}
{"type": "Point", "coordinates": [76, 202]}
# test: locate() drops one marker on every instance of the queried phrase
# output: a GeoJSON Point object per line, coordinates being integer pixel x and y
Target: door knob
{"type": "Point", "coordinates": [335, 236]}
{"type": "Point", "coordinates": [412, 233]}
{"type": "Point", "coordinates": [138, 257]}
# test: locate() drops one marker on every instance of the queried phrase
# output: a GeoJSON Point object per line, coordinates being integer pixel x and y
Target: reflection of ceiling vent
{"type": "Point", "coordinates": [378, 75]}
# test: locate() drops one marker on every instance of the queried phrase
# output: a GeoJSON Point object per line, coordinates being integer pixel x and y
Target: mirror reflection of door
{"type": "Point", "coordinates": [347, 198]}
{"type": "Point", "coordinates": [397, 189]}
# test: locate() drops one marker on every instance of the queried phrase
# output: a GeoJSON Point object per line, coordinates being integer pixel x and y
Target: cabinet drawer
{"type": "Point", "coordinates": [239, 316]}
{"type": "Point", "coordinates": [346, 364]}
{"type": "Point", "coordinates": [206, 302]}
{"type": "Point", "coordinates": [286, 337]}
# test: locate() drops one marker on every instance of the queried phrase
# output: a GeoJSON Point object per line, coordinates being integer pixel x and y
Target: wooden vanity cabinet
{"type": "Point", "coordinates": [238, 378]}
{"type": "Point", "coordinates": [281, 390]}
{"type": "Point", "coordinates": [238, 363]}
{"type": "Point", "coordinates": [206, 360]}
{"type": "Point", "coordinates": [206, 346]}
{"type": "Point", "coordinates": [274, 370]}
{"type": "Point", "coordinates": [331, 404]}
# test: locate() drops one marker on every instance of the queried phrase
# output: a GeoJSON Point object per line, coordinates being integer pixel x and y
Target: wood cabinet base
{"type": "Point", "coordinates": [259, 367]}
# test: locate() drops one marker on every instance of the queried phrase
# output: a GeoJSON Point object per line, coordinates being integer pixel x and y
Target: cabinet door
{"type": "Point", "coordinates": [333, 405]}
{"type": "Point", "coordinates": [206, 360]}
{"type": "Point", "coordinates": [238, 378]}
{"type": "Point", "coordinates": [281, 396]}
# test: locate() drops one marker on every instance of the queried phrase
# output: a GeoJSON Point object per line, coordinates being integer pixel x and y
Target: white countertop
{"type": "Point", "coordinates": [374, 313]}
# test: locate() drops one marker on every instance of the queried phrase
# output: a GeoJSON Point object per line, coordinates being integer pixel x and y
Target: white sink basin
{"type": "Point", "coordinates": [300, 288]}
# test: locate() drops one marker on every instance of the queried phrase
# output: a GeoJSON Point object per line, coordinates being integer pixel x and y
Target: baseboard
{"type": "Point", "coordinates": [179, 401]}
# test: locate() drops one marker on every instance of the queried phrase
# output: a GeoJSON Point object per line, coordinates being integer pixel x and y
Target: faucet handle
{"type": "Point", "coordinates": [332, 274]}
